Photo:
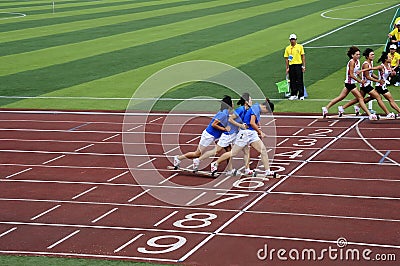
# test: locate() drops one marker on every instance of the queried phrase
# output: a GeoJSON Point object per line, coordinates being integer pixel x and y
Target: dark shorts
{"type": "Point", "coordinates": [367, 89]}
{"type": "Point", "coordinates": [380, 90]}
{"type": "Point", "coordinates": [349, 86]}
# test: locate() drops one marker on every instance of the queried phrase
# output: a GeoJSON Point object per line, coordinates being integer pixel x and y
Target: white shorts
{"type": "Point", "coordinates": [206, 139]}
{"type": "Point", "coordinates": [246, 137]}
{"type": "Point", "coordinates": [226, 139]}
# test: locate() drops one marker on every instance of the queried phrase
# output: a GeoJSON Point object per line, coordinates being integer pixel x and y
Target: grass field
{"type": "Point", "coordinates": [106, 49]}
{"type": "Point", "coordinates": [95, 54]}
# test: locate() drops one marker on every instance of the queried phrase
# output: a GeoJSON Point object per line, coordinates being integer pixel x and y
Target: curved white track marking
{"type": "Point", "coordinates": [19, 15]}
{"type": "Point", "coordinates": [343, 8]}
{"type": "Point", "coordinates": [373, 148]}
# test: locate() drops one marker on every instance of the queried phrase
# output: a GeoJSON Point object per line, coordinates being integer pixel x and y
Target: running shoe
{"type": "Point", "coordinates": [324, 112]}
{"type": "Point", "coordinates": [196, 163]}
{"type": "Point", "coordinates": [340, 111]}
{"type": "Point", "coordinates": [177, 162]}
{"type": "Point", "coordinates": [391, 116]}
{"type": "Point", "coordinates": [293, 97]}
{"type": "Point", "coordinates": [233, 172]}
{"type": "Point", "coordinates": [214, 167]}
{"type": "Point", "coordinates": [373, 117]}
{"type": "Point", "coordinates": [357, 109]}
{"type": "Point", "coordinates": [302, 98]}
{"type": "Point", "coordinates": [248, 171]}
{"type": "Point", "coordinates": [272, 173]}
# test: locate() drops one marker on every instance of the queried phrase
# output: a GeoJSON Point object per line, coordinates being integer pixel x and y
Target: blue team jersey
{"type": "Point", "coordinates": [255, 109]}
{"type": "Point", "coordinates": [239, 112]}
{"type": "Point", "coordinates": [222, 117]}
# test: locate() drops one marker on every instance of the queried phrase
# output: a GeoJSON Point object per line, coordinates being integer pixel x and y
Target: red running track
{"type": "Point", "coordinates": [66, 190]}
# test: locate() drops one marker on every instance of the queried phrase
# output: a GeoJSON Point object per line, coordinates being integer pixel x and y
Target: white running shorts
{"type": "Point", "coordinates": [226, 139]}
{"type": "Point", "coordinates": [246, 137]}
{"type": "Point", "coordinates": [206, 139]}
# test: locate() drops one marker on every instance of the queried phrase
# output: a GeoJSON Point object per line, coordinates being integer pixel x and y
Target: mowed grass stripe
{"type": "Point", "coordinates": [257, 46]}
{"type": "Point", "coordinates": [71, 26]}
{"type": "Point", "coordinates": [59, 18]}
{"type": "Point", "coordinates": [152, 36]}
{"type": "Point", "coordinates": [76, 6]}
{"type": "Point", "coordinates": [78, 32]}
{"type": "Point", "coordinates": [124, 84]}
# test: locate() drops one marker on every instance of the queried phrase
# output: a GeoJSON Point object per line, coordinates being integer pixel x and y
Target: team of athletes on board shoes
{"type": "Point", "coordinates": [235, 130]}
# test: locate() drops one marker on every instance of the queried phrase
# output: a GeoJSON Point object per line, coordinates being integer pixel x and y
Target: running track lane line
{"type": "Point", "coordinates": [8, 231]}
{"type": "Point", "coordinates": [45, 212]}
{"type": "Point", "coordinates": [104, 215]}
{"type": "Point", "coordinates": [374, 149]}
{"type": "Point", "coordinates": [20, 172]}
{"type": "Point", "coordinates": [84, 192]}
{"type": "Point", "coordinates": [251, 204]}
{"type": "Point", "coordinates": [128, 243]}
{"type": "Point", "coordinates": [63, 239]}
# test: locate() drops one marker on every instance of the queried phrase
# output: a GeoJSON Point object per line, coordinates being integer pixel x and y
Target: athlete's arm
{"type": "Point", "coordinates": [254, 125]}
{"type": "Point", "coordinates": [217, 124]}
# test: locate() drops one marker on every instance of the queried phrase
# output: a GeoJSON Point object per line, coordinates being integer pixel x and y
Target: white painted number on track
{"type": "Point", "coordinates": [204, 220]}
{"type": "Point", "coordinates": [165, 248]}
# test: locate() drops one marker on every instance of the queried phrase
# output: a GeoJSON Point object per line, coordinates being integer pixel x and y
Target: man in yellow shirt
{"type": "Point", "coordinates": [295, 66]}
{"type": "Point", "coordinates": [395, 65]}
{"type": "Point", "coordinates": [394, 35]}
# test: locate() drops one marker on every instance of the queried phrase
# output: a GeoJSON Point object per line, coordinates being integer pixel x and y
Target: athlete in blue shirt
{"type": "Point", "coordinates": [250, 136]}
{"type": "Point", "coordinates": [214, 130]}
{"type": "Point", "coordinates": [228, 138]}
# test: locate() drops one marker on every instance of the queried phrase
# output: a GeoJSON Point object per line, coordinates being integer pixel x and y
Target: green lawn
{"type": "Point", "coordinates": [93, 55]}
{"type": "Point", "coordinates": [107, 49]}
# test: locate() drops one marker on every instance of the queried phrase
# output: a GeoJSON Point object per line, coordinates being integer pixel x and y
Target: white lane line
{"type": "Point", "coordinates": [171, 150]}
{"type": "Point", "coordinates": [167, 179]}
{"type": "Point", "coordinates": [334, 195]}
{"type": "Point", "coordinates": [333, 123]}
{"type": "Point", "coordinates": [139, 195]}
{"type": "Point", "coordinates": [326, 216]}
{"type": "Point", "coordinates": [104, 215]}
{"type": "Point", "coordinates": [222, 181]}
{"type": "Point", "coordinates": [189, 141]}
{"type": "Point", "coordinates": [52, 160]}
{"type": "Point", "coordinates": [374, 149]}
{"type": "Point", "coordinates": [283, 141]}
{"type": "Point", "coordinates": [149, 161]}
{"type": "Point", "coordinates": [156, 119]}
{"type": "Point", "coordinates": [20, 172]}
{"type": "Point", "coordinates": [134, 128]}
{"type": "Point", "coordinates": [117, 176]}
{"type": "Point", "coordinates": [308, 240]}
{"type": "Point", "coordinates": [298, 131]}
{"type": "Point", "coordinates": [84, 192]}
{"type": "Point", "coordinates": [128, 243]}
{"type": "Point", "coordinates": [350, 24]}
{"type": "Point", "coordinates": [348, 178]}
{"type": "Point", "coordinates": [45, 212]}
{"type": "Point", "coordinates": [270, 122]}
{"type": "Point", "coordinates": [113, 136]}
{"type": "Point", "coordinates": [7, 232]}
{"type": "Point", "coordinates": [123, 228]}
{"type": "Point", "coordinates": [84, 147]}
{"type": "Point", "coordinates": [312, 123]}
{"type": "Point", "coordinates": [196, 198]}
{"type": "Point", "coordinates": [314, 155]}
{"type": "Point", "coordinates": [62, 240]}
{"type": "Point", "coordinates": [165, 218]}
